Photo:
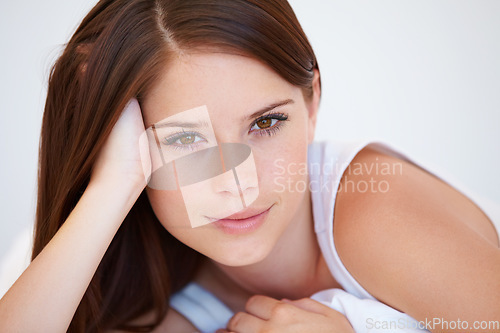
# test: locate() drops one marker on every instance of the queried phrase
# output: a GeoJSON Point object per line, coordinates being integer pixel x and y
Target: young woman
{"type": "Point", "coordinates": [113, 252]}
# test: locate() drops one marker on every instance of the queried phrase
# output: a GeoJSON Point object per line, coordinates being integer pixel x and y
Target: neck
{"type": "Point", "coordinates": [293, 269]}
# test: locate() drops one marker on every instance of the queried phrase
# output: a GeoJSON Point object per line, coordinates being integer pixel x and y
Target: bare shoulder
{"type": "Point", "coordinates": [173, 322]}
{"type": "Point", "coordinates": [374, 178]}
{"type": "Point", "coordinates": [409, 238]}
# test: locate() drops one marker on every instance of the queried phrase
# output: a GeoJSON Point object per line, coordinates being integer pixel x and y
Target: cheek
{"type": "Point", "coordinates": [284, 159]}
{"type": "Point", "coordinates": [283, 173]}
{"type": "Point", "coordinates": [169, 208]}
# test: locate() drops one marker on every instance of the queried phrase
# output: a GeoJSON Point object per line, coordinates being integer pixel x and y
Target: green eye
{"type": "Point", "coordinates": [187, 139]}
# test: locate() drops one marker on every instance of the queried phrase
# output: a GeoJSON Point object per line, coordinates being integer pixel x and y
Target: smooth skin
{"type": "Point", "coordinates": [420, 248]}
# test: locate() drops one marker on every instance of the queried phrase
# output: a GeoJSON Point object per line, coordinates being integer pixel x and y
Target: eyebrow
{"type": "Point", "coordinates": [186, 124]}
{"type": "Point", "coordinates": [205, 124]}
{"type": "Point", "coordinates": [269, 108]}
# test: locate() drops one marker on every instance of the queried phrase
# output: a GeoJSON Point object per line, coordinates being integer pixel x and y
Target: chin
{"type": "Point", "coordinates": [241, 255]}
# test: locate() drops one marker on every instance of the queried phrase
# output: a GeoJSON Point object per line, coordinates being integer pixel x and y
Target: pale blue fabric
{"type": "Point", "coordinates": [205, 311]}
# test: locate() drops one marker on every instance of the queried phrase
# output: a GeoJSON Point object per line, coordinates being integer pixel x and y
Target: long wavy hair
{"type": "Point", "coordinates": [115, 54]}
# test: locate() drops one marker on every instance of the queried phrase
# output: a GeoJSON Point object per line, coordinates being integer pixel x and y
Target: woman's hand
{"type": "Point", "coordinates": [119, 160]}
{"type": "Point", "coordinates": [266, 314]}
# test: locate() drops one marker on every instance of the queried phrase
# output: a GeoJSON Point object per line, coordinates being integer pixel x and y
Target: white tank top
{"type": "Point", "coordinates": [327, 162]}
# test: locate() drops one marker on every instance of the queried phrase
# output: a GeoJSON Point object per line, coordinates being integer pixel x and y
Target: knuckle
{"type": "Point", "coordinates": [252, 300]}
{"type": "Point", "coordinates": [235, 321]}
{"type": "Point", "coordinates": [281, 311]}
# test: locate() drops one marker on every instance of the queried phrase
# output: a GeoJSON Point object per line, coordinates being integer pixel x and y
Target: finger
{"type": "Point", "coordinates": [243, 322]}
{"type": "Point", "coordinates": [311, 305]}
{"type": "Point", "coordinates": [131, 114]}
{"type": "Point", "coordinates": [261, 306]}
{"type": "Point", "coordinates": [146, 162]}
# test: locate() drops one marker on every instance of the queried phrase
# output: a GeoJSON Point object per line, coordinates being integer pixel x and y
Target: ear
{"type": "Point", "coordinates": [313, 106]}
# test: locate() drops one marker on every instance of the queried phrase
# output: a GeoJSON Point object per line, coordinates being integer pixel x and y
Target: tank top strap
{"type": "Point", "coordinates": [327, 162]}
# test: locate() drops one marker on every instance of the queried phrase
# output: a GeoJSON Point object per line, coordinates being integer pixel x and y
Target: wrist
{"type": "Point", "coordinates": [120, 191]}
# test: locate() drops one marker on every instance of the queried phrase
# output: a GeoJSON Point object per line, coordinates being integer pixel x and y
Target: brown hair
{"type": "Point", "coordinates": [114, 55]}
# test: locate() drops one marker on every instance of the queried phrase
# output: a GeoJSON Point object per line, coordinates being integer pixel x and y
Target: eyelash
{"type": "Point", "coordinates": [281, 117]}
{"type": "Point", "coordinates": [170, 140]}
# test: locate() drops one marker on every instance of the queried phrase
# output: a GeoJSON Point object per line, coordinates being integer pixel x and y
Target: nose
{"type": "Point", "coordinates": [240, 176]}
{"type": "Point", "coordinates": [227, 183]}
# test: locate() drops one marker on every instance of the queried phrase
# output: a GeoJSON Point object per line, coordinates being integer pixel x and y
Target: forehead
{"type": "Point", "coordinates": [224, 83]}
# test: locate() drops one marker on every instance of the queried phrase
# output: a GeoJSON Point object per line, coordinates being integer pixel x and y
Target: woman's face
{"type": "Point", "coordinates": [241, 108]}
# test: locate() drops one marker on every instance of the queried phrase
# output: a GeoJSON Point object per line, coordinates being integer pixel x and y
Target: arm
{"type": "Point", "coordinates": [421, 247]}
{"type": "Point", "coordinates": [47, 294]}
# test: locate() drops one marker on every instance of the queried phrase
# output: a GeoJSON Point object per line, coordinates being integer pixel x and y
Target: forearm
{"type": "Point", "coordinates": [47, 294]}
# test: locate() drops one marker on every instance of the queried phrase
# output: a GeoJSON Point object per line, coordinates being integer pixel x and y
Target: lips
{"type": "Point", "coordinates": [244, 221]}
{"type": "Point", "coordinates": [245, 214]}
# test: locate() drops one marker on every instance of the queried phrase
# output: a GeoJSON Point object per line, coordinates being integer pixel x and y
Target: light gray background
{"type": "Point", "coordinates": [422, 74]}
